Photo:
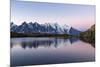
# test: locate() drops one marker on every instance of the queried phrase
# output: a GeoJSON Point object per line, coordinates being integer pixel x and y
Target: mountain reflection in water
{"type": "Point", "coordinates": [45, 42]}
{"type": "Point", "coordinates": [36, 51]}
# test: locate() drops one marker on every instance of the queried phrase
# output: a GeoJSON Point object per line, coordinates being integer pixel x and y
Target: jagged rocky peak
{"type": "Point", "coordinates": [24, 23]}
{"type": "Point", "coordinates": [47, 24]}
{"type": "Point", "coordinates": [74, 31]}
{"type": "Point", "coordinates": [35, 22]}
{"type": "Point", "coordinates": [13, 27]}
{"type": "Point", "coordinates": [12, 23]}
{"type": "Point", "coordinates": [66, 26]}
{"type": "Point", "coordinates": [30, 23]}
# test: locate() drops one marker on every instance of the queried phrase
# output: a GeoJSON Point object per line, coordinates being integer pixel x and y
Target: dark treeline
{"type": "Point", "coordinates": [13, 34]}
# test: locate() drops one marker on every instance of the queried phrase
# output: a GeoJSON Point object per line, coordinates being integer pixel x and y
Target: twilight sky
{"type": "Point", "coordinates": [80, 17]}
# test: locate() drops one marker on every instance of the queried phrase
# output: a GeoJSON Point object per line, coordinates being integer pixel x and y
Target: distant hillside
{"type": "Point", "coordinates": [92, 28]}
{"type": "Point", "coordinates": [89, 35]}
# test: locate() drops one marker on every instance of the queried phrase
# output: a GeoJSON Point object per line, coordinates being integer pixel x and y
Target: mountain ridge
{"type": "Point", "coordinates": [43, 28]}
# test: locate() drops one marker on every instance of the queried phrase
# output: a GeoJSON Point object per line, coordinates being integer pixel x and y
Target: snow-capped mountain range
{"type": "Point", "coordinates": [43, 28]}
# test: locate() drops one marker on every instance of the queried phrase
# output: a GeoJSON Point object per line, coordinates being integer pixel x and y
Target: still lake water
{"type": "Point", "coordinates": [36, 51]}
